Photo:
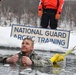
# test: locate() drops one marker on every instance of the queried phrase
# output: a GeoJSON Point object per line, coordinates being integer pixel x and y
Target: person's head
{"type": "Point", "coordinates": [27, 45]}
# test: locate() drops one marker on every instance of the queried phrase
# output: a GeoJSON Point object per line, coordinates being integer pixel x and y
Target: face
{"type": "Point", "coordinates": [27, 46]}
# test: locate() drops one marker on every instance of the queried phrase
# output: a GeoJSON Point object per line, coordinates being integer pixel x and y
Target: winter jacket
{"type": "Point", "coordinates": [36, 59]}
{"type": "Point", "coordinates": [51, 4]}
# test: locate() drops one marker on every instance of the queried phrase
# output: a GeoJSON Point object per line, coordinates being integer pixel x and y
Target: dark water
{"type": "Point", "coordinates": [67, 67]}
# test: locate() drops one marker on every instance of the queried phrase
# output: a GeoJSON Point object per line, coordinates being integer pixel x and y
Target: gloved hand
{"type": "Point", "coordinates": [57, 58]}
{"type": "Point", "coordinates": [40, 12]}
{"type": "Point", "coordinates": [57, 16]}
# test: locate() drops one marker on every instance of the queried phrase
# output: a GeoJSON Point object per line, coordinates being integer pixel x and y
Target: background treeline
{"type": "Point", "coordinates": [25, 12]}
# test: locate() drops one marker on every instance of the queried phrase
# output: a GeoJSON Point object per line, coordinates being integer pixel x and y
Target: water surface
{"type": "Point", "coordinates": [67, 67]}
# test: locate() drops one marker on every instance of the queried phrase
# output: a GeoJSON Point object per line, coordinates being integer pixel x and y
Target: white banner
{"type": "Point", "coordinates": [41, 35]}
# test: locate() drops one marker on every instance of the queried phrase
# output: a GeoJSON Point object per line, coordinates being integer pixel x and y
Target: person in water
{"type": "Point", "coordinates": [28, 57]}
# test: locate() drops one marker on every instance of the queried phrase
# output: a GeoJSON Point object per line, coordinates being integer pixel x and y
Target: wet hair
{"type": "Point", "coordinates": [30, 40]}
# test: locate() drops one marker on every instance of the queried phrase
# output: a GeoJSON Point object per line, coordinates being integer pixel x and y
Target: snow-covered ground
{"type": "Point", "coordinates": [6, 40]}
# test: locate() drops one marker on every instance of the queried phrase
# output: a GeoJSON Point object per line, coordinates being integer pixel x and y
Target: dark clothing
{"type": "Point", "coordinates": [48, 18]}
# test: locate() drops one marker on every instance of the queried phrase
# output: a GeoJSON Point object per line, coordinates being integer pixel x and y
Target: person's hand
{"type": "Point", "coordinates": [57, 58]}
{"type": "Point", "coordinates": [26, 60]}
{"type": "Point", "coordinates": [57, 16]}
{"type": "Point", "coordinates": [12, 59]}
{"type": "Point", "coordinates": [40, 12]}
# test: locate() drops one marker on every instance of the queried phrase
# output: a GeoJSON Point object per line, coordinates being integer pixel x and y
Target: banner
{"type": "Point", "coordinates": [41, 35]}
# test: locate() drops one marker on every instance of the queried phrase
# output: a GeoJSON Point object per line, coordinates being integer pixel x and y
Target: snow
{"type": "Point", "coordinates": [6, 40]}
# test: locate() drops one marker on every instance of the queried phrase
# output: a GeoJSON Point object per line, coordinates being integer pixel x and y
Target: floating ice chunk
{"type": "Point", "coordinates": [26, 71]}
{"type": "Point", "coordinates": [7, 65]}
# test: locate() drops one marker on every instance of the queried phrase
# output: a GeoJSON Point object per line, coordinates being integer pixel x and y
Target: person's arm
{"type": "Point", "coordinates": [60, 6]}
{"type": "Point", "coordinates": [41, 61]}
{"type": "Point", "coordinates": [13, 59]}
{"type": "Point", "coordinates": [40, 5]}
{"type": "Point", "coordinates": [38, 60]}
{"type": "Point", "coordinates": [3, 58]}
{"type": "Point", "coordinates": [40, 8]}
{"type": "Point", "coordinates": [59, 9]}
